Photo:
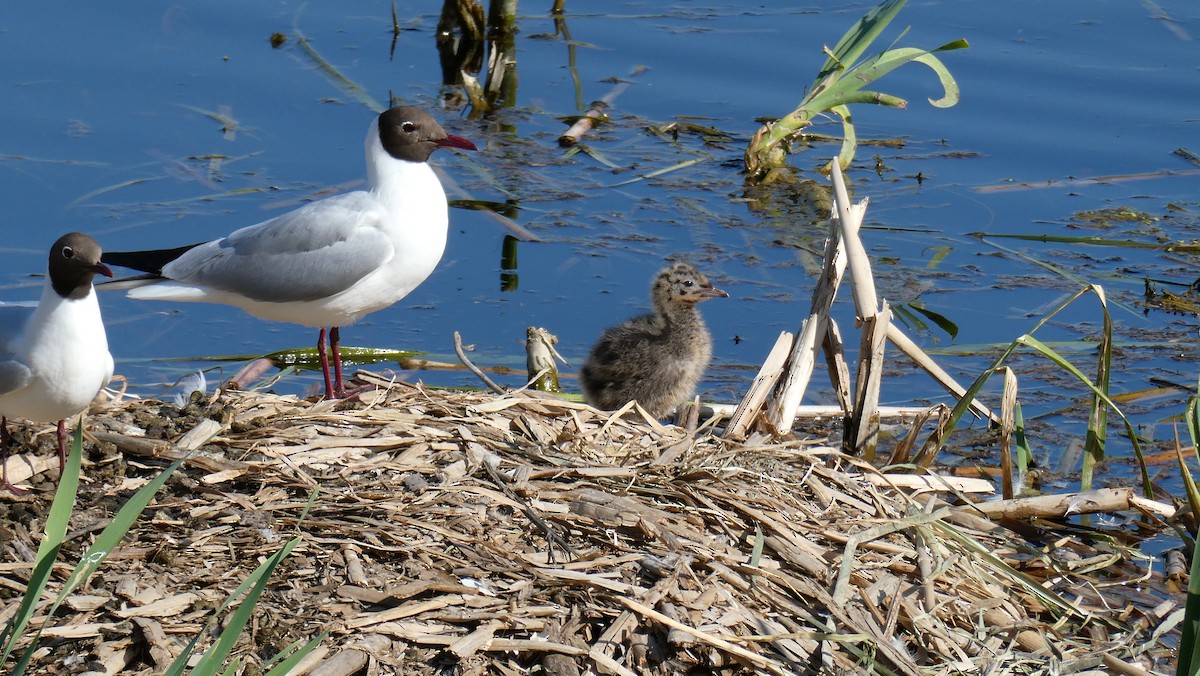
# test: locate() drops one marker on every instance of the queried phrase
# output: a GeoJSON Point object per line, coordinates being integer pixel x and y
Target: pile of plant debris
{"type": "Point", "coordinates": [468, 533]}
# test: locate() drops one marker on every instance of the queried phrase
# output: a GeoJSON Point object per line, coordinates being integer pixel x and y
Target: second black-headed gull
{"type": "Point", "coordinates": [54, 356]}
{"type": "Point", "coordinates": [330, 262]}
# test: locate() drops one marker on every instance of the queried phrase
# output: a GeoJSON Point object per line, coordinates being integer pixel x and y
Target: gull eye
{"type": "Point", "coordinates": [68, 252]}
{"type": "Point", "coordinates": [408, 127]}
{"type": "Point", "coordinates": [688, 283]}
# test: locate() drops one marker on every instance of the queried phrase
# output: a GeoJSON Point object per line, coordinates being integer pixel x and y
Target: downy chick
{"type": "Point", "coordinates": [657, 358]}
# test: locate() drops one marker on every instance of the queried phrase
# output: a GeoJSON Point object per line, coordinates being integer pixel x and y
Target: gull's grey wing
{"type": "Point", "coordinates": [12, 322]}
{"type": "Point", "coordinates": [316, 251]}
{"type": "Point", "coordinates": [13, 374]}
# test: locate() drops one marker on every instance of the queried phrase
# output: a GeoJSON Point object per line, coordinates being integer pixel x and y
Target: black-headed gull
{"type": "Point", "coordinates": [54, 356]}
{"type": "Point", "coordinates": [657, 358]}
{"type": "Point", "coordinates": [330, 262]}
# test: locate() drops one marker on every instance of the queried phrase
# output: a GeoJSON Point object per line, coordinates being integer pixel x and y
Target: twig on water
{"type": "Point", "coordinates": [462, 356]}
{"type": "Point", "coordinates": [597, 112]}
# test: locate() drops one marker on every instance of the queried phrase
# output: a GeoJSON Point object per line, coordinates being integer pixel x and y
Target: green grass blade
{"type": "Point", "coordinates": [257, 583]}
{"type": "Point", "coordinates": [659, 172]}
{"type": "Point", "coordinates": [286, 665]}
{"type": "Point", "coordinates": [849, 137]}
{"type": "Point", "coordinates": [43, 562]}
{"type": "Point", "coordinates": [873, 69]}
{"type": "Point", "coordinates": [902, 313]}
{"type": "Point", "coordinates": [1192, 417]}
{"type": "Point", "coordinates": [312, 500]}
{"type": "Point", "coordinates": [1024, 454]}
{"type": "Point", "coordinates": [291, 656]}
{"type": "Point", "coordinates": [939, 254]}
{"type": "Point", "coordinates": [949, 85]}
{"type": "Point", "coordinates": [1098, 415]}
{"type": "Point", "coordinates": [1180, 247]}
{"type": "Point", "coordinates": [1147, 487]}
{"type": "Point", "coordinates": [115, 531]}
{"type": "Point", "coordinates": [307, 357]}
{"type": "Point", "coordinates": [935, 442]}
{"type": "Point", "coordinates": [233, 667]}
{"type": "Point", "coordinates": [180, 664]}
{"type": "Point", "coordinates": [100, 191]}
{"type": "Point", "coordinates": [1065, 274]}
{"type": "Point", "coordinates": [351, 88]}
{"type": "Point", "coordinates": [840, 96]}
{"type": "Point", "coordinates": [943, 322]}
{"type": "Point", "coordinates": [1053, 602]}
{"type": "Point", "coordinates": [110, 537]}
{"type": "Point", "coordinates": [1189, 642]}
{"type": "Point", "coordinates": [858, 39]}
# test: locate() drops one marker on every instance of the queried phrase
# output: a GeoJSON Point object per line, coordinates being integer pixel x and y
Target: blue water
{"type": "Point", "coordinates": [105, 131]}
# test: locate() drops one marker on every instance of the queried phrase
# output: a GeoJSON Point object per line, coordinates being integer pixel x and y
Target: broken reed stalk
{"type": "Point", "coordinates": [865, 300]}
{"type": "Point", "coordinates": [910, 349]}
{"type": "Point", "coordinates": [782, 411]}
{"type": "Point", "coordinates": [1008, 413]}
{"type": "Point", "coordinates": [924, 458]}
{"type": "Point", "coordinates": [902, 452]}
{"type": "Point", "coordinates": [772, 368]}
{"type": "Point", "coordinates": [850, 217]}
{"type": "Point", "coordinates": [821, 411]}
{"type": "Point", "coordinates": [839, 370]}
{"type": "Point", "coordinates": [862, 425]}
{"type": "Point", "coordinates": [597, 111]}
{"type": "Point", "coordinates": [540, 355]}
{"type": "Point", "coordinates": [787, 383]}
{"type": "Point", "coordinates": [1103, 500]}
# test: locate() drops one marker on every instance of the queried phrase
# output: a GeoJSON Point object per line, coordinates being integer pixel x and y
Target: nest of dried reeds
{"type": "Point", "coordinates": [455, 532]}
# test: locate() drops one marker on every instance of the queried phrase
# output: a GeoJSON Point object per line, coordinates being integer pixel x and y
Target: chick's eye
{"type": "Point", "coordinates": [408, 127]}
{"type": "Point", "coordinates": [689, 283]}
{"type": "Point", "coordinates": [68, 252]}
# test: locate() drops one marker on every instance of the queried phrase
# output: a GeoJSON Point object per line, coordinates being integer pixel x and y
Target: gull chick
{"type": "Point", "coordinates": [657, 358]}
{"type": "Point", "coordinates": [54, 357]}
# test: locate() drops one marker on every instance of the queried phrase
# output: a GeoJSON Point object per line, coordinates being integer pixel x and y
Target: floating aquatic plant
{"type": "Point", "coordinates": [840, 82]}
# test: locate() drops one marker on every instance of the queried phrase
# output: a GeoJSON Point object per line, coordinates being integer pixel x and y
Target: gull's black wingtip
{"type": "Point", "coordinates": [151, 262]}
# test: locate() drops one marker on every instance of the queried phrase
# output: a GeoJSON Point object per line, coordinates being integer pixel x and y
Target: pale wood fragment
{"type": "Point", "coordinates": [1066, 504]}
{"type": "Point", "coordinates": [760, 388]}
{"type": "Point", "coordinates": [353, 658]}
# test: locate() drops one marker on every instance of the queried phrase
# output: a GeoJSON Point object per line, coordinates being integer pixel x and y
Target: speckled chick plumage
{"type": "Point", "coordinates": [657, 358]}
